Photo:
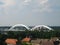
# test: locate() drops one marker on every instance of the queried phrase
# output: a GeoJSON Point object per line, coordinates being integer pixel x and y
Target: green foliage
{"type": "Point", "coordinates": [33, 34]}
{"type": "Point", "coordinates": [24, 43]}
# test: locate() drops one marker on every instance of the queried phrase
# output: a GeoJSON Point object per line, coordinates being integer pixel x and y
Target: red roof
{"type": "Point", "coordinates": [11, 41]}
{"type": "Point", "coordinates": [26, 39]}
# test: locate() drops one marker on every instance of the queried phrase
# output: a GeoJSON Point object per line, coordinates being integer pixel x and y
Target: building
{"type": "Point", "coordinates": [11, 41]}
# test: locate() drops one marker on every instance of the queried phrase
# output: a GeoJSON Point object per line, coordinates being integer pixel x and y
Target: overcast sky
{"type": "Point", "coordinates": [30, 12]}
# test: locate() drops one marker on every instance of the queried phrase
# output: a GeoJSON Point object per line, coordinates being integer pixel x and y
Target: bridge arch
{"type": "Point", "coordinates": [41, 27]}
{"type": "Point", "coordinates": [19, 27]}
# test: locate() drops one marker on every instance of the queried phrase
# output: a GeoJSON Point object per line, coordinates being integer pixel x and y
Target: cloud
{"type": "Point", "coordinates": [26, 2]}
{"type": "Point", "coordinates": [22, 11]}
{"type": "Point", "coordinates": [7, 3]}
{"type": "Point", "coordinates": [1, 3]}
{"type": "Point", "coordinates": [43, 6]}
{"type": "Point", "coordinates": [43, 1]}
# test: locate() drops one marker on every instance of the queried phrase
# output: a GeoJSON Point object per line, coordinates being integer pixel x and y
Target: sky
{"type": "Point", "coordinates": [30, 12]}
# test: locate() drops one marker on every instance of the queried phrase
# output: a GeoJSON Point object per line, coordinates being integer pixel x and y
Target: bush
{"type": "Point", "coordinates": [33, 34]}
{"type": "Point", "coordinates": [24, 43]}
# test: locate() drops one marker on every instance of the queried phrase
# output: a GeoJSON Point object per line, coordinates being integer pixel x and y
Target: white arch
{"type": "Point", "coordinates": [41, 27]}
{"type": "Point", "coordinates": [19, 25]}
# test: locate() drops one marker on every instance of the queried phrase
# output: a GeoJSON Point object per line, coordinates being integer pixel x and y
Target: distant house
{"type": "Point", "coordinates": [36, 41]}
{"type": "Point", "coordinates": [11, 41]}
{"type": "Point", "coordinates": [41, 42]}
{"type": "Point", "coordinates": [27, 39]}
